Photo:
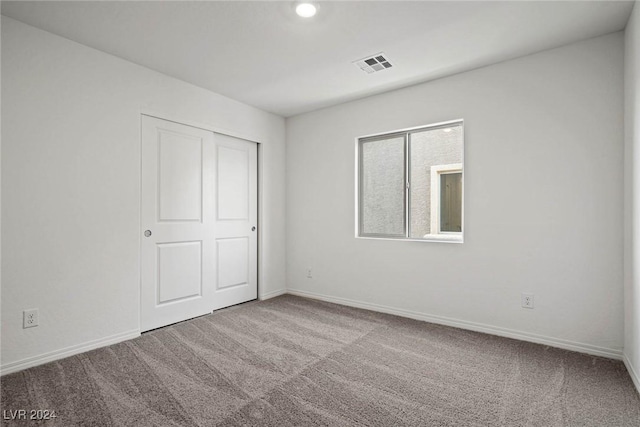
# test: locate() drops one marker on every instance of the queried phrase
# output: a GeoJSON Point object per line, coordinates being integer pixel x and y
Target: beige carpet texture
{"type": "Point", "coordinates": [291, 361]}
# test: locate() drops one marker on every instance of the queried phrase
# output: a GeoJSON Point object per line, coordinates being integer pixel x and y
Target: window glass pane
{"type": "Point", "coordinates": [451, 202]}
{"type": "Point", "coordinates": [433, 152]}
{"type": "Point", "coordinates": [382, 187]}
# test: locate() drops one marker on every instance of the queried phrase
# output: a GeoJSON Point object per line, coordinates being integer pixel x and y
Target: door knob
{"type": "Point", "coordinates": [147, 233]}
{"type": "Point", "coordinates": [253, 228]}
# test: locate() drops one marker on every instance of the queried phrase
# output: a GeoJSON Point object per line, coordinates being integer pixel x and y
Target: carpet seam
{"type": "Point", "coordinates": [298, 374]}
{"type": "Point", "coordinates": [172, 332]}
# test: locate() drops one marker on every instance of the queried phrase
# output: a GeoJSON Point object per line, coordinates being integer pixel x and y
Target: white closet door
{"type": "Point", "coordinates": [181, 249]}
{"type": "Point", "coordinates": [236, 221]}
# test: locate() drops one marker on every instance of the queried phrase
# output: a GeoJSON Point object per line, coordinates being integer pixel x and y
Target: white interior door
{"type": "Point", "coordinates": [236, 221]}
{"type": "Point", "coordinates": [199, 204]}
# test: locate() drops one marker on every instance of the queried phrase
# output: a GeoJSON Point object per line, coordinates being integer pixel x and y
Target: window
{"type": "Point", "coordinates": [410, 184]}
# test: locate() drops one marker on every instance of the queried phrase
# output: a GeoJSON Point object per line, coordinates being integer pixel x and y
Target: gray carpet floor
{"type": "Point", "coordinates": [291, 361]}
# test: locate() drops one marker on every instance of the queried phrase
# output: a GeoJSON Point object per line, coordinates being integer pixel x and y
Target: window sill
{"type": "Point", "coordinates": [444, 237]}
{"type": "Point", "coordinates": [428, 238]}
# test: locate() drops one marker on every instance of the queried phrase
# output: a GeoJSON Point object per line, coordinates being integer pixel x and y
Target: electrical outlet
{"type": "Point", "coordinates": [30, 318]}
{"type": "Point", "coordinates": [309, 273]}
{"type": "Point", "coordinates": [526, 300]}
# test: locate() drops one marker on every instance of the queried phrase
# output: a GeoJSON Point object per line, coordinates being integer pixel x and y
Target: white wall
{"type": "Point", "coordinates": [632, 197]}
{"type": "Point", "coordinates": [0, 182]}
{"type": "Point", "coordinates": [71, 188]}
{"type": "Point", "coordinates": [543, 201]}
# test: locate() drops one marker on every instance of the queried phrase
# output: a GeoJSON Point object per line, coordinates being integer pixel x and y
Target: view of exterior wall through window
{"type": "Point", "coordinates": [410, 184]}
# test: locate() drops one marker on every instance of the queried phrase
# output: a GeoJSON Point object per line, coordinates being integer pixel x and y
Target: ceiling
{"type": "Point", "coordinates": [264, 55]}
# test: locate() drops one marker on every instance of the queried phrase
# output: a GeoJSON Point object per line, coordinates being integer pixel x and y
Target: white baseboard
{"type": "Point", "coordinates": [473, 326]}
{"type": "Point", "coordinates": [632, 372]}
{"type": "Point", "coordinates": [463, 324]}
{"type": "Point", "coordinates": [272, 294]}
{"type": "Point", "coordinates": [29, 362]}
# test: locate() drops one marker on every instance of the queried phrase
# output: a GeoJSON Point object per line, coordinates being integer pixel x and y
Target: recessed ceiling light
{"type": "Point", "coordinates": [306, 10]}
{"type": "Point", "coordinates": [447, 130]}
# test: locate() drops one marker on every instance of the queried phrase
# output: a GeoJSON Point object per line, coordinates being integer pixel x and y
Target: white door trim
{"type": "Point", "coordinates": [200, 125]}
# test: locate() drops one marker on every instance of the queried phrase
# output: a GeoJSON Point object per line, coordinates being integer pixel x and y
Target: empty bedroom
{"type": "Point", "coordinates": [324, 213]}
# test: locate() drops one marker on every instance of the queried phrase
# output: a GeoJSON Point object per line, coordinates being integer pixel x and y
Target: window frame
{"type": "Point", "coordinates": [446, 237]}
{"type": "Point", "coordinates": [361, 142]}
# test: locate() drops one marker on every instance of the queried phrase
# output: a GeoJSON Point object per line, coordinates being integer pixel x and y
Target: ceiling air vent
{"type": "Point", "coordinates": [371, 64]}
